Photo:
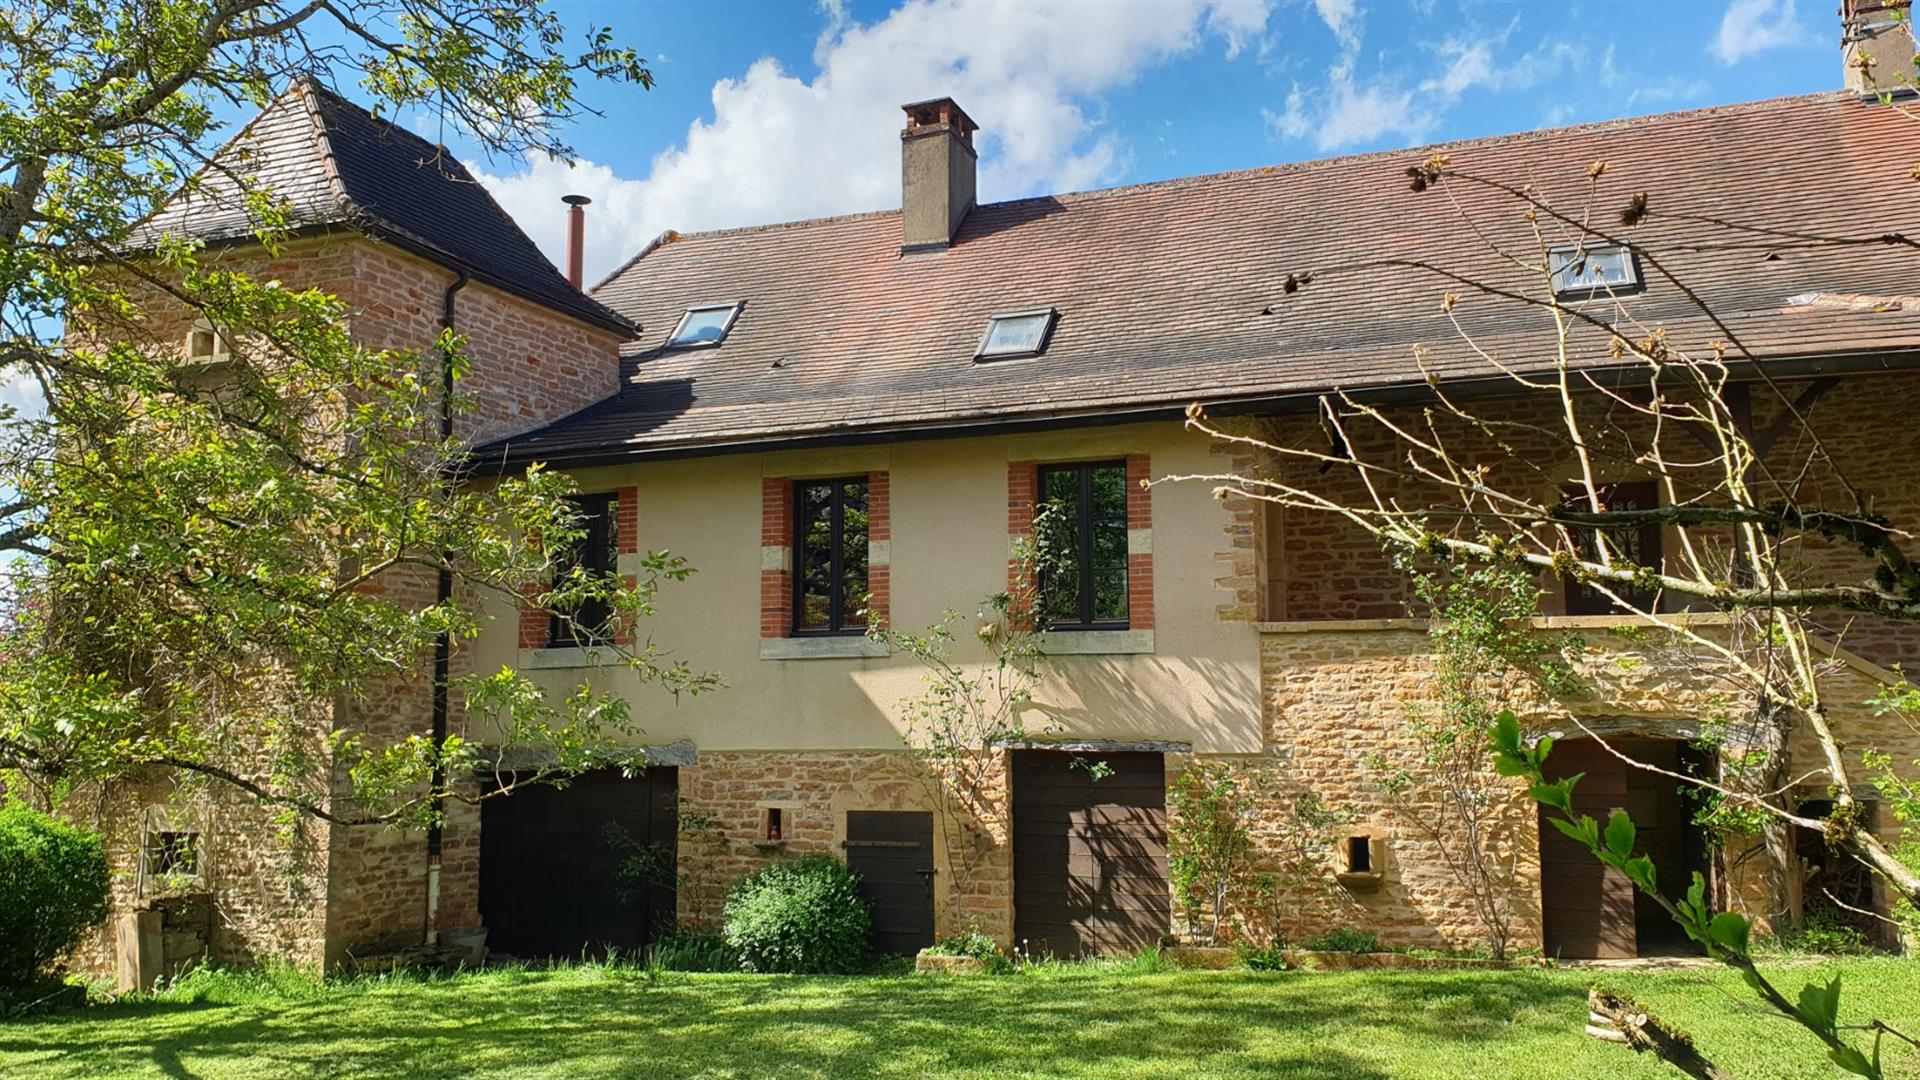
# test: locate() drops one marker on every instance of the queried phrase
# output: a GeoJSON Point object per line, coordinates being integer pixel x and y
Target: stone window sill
{"type": "Point", "coordinates": [574, 656]}
{"type": "Point", "coordinates": [1360, 881]}
{"type": "Point", "coordinates": [1096, 642]}
{"type": "Point", "coordinates": [846, 647]}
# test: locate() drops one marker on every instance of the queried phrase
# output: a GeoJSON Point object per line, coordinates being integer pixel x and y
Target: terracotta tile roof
{"type": "Point", "coordinates": [332, 163]}
{"type": "Point", "coordinates": [1175, 292]}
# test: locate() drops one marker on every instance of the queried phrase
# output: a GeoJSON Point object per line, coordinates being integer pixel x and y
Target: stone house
{"type": "Point", "coordinates": [851, 420]}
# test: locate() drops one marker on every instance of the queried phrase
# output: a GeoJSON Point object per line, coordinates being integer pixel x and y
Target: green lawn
{"type": "Point", "coordinates": [1067, 1022]}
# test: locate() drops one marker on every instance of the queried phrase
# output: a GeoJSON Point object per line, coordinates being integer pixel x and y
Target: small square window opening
{"type": "Point", "coordinates": [1359, 855]}
{"type": "Point", "coordinates": [704, 325]}
{"type": "Point", "coordinates": [1592, 270]}
{"type": "Point", "coordinates": [1019, 333]}
{"type": "Point", "coordinates": [206, 345]}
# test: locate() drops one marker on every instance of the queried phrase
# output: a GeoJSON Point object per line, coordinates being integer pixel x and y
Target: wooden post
{"type": "Point", "coordinates": [138, 943]}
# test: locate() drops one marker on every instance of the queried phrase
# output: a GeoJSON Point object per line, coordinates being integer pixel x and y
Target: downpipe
{"type": "Point", "coordinates": [442, 647]}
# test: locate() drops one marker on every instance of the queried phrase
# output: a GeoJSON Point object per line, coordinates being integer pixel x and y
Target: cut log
{"type": "Point", "coordinates": [1619, 1019]}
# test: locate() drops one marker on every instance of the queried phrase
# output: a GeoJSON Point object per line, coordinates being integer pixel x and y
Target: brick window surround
{"type": "Point", "coordinates": [1023, 479]}
{"type": "Point", "coordinates": [776, 553]}
{"type": "Point", "coordinates": [536, 622]}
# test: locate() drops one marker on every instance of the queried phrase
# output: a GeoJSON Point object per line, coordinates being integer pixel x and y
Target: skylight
{"type": "Point", "coordinates": [1592, 270]}
{"type": "Point", "coordinates": [1017, 333]}
{"type": "Point", "coordinates": [704, 325]}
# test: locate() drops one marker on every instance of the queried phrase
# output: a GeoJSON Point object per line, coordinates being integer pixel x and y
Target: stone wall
{"type": "Point", "coordinates": [1337, 693]}
{"type": "Point", "coordinates": [529, 367]}
{"type": "Point", "coordinates": [310, 893]}
{"type": "Point", "coordinates": [729, 792]}
{"type": "Point", "coordinates": [1331, 569]}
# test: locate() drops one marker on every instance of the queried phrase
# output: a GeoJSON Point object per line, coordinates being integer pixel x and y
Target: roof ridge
{"type": "Point", "coordinates": [1256, 170]}
{"type": "Point", "coordinates": [307, 88]}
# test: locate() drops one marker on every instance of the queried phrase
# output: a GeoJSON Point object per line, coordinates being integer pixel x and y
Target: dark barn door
{"type": "Point", "coordinates": [1089, 856]}
{"type": "Point", "coordinates": [892, 851]}
{"type": "Point", "coordinates": [547, 864]}
{"type": "Point", "coordinates": [1589, 911]}
{"type": "Point", "coordinates": [1586, 909]}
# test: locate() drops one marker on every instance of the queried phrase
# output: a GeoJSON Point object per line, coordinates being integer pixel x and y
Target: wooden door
{"type": "Point", "coordinates": [1587, 910]}
{"type": "Point", "coordinates": [1089, 856]}
{"type": "Point", "coordinates": [549, 882]}
{"type": "Point", "coordinates": [892, 851]}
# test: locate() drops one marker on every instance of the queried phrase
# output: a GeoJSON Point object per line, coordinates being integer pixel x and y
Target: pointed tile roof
{"type": "Point", "coordinates": [332, 164]}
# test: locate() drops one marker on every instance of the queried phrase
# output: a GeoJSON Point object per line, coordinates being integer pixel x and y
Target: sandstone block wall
{"type": "Point", "coordinates": [729, 793]}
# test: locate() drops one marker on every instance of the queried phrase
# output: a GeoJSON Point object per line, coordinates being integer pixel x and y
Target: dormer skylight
{"type": "Point", "coordinates": [1592, 270]}
{"type": "Point", "coordinates": [706, 324]}
{"type": "Point", "coordinates": [1016, 333]}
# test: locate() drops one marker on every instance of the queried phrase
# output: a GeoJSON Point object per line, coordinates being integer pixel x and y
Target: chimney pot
{"type": "Point", "coordinates": [1877, 47]}
{"type": "Point", "coordinates": [576, 236]}
{"type": "Point", "coordinates": [938, 169]}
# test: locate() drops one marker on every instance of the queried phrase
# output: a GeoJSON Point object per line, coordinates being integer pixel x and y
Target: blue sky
{"type": "Point", "coordinates": [776, 111]}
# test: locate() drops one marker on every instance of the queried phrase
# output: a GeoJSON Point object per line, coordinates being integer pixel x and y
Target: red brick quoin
{"type": "Point", "coordinates": [776, 530]}
{"type": "Point", "coordinates": [879, 530]}
{"type": "Point", "coordinates": [1139, 566]}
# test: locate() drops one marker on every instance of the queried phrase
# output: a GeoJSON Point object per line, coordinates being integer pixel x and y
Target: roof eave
{"type": "Point", "coordinates": [502, 456]}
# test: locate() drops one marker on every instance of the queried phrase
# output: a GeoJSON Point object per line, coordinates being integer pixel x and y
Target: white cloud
{"type": "Point", "coordinates": [1341, 17]}
{"type": "Point", "coordinates": [1341, 114]}
{"type": "Point", "coordinates": [1755, 26]}
{"type": "Point", "coordinates": [781, 147]}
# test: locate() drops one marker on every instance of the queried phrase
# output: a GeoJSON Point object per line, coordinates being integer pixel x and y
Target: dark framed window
{"type": "Point", "coordinates": [830, 556]}
{"type": "Point", "coordinates": [1639, 546]}
{"type": "Point", "coordinates": [1081, 526]}
{"type": "Point", "coordinates": [597, 552]}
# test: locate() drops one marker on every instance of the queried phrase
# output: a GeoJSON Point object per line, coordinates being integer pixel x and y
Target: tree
{"type": "Point", "coordinates": [199, 567]}
{"type": "Point", "coordinates": [1444, 786]}
{"type": "Point", "coordinates": [1774, 548]}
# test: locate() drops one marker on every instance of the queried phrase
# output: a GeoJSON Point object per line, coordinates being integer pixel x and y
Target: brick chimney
{"type": "Point", "coordinates": [937, 164]}
{"type": "Point", "coordinates": [576, 235]}
{"type": "Point", "coordinates": [1877, 47]}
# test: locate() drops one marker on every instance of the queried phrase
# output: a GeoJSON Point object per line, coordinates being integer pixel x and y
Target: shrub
{"type": "Point", "coordinates": [1346, 939]}
{"type": "Point", "coordinates": [53, 889]}
{"type": "Point", "coordinates": [972, 943]}
{"type": "Point", "coordinates": [803, 916]}
{"type": "Point", "coordinates": [693, 950]}
{"type": "Point", "coordinates": [1269, 957]}
{"type": "Point", "coordinates": [1823, 933]}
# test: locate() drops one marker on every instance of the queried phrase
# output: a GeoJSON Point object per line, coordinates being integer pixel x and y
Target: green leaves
{"type": "Point", "coordinates": [1730, 930]}
{"type": "Point", "coordinates": [1620, 834]}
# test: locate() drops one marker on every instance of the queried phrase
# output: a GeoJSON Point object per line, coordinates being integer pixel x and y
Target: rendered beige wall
{"type": "Point", "coordinates": [949, 550]}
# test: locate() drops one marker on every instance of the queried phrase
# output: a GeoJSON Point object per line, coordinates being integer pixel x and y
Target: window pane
{"type": "Point", "coordinates": [1109, 544]}
{"type": "Point", "coordinates": [596, 552]}
{"type": "Point", "coordinates": [701, 327]}
{"type": "Point", "coordinates": [1580, 269]}
{"type": "Point", "coordinates": [1056, 533]}
{"type": "Point", "coordinates": [1016, 335]}
{"type": "Point", "coordinates": [853, 555]}
{"type": "Point", "coordinates": [813, 558]}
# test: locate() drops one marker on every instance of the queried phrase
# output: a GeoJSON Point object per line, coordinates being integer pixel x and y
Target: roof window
{"type": "Point", "coordinates": [1592, 270]}
{"type": "Point", "coordinates": [1016, 333]}
{"type": "Point", "coordinates": [704, 325]}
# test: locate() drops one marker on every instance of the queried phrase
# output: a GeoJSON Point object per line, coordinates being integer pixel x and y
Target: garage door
{"type": "Point", "coordinates": [548, 883]}
{"type": "Point", "coordinates": [1089, 856]}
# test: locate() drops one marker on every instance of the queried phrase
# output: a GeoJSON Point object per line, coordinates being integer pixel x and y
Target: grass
{"type": "Point", "coordinates": [1117, 1020]}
